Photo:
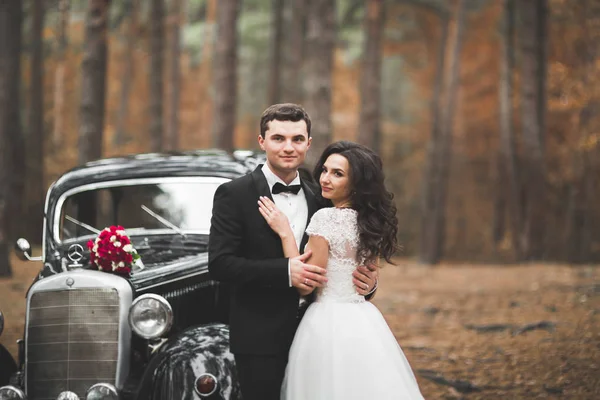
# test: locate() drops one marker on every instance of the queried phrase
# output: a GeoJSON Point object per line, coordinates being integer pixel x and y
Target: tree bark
{"type": "Point", "coordinates": [226, 74]}
{"type": "Point", "coordinates": [206, 109]}
{"type": "Point", "coordinates": [319, 57]}
{"type": "Point", "coordinates": [580, 218]}
{"type": "Point", "coordinates": [121, 136]}
{"type": "Point", "coordinates": [34, 197]}
{"type": "Point", "coordinates": [428, 191]}
{"type": "Point", "coordinates": [369, 132]}
{"type": "Point", "coordinates": [508, 186]}
{"type": "Point", "coordinates": [157, 48]}
{"type": "Point", "coordinates": [93, 81]}
{"type": "Point", "coordinates": [427, 195]}
{"type": "Point", "coordinates": [58, 127]}
{"type": "Point", "coordinates": [440, 154]}
{"type": "Point", "coordinates": [274, 94]}
{"type": "Point", "coordinates": [14, 140]}
{"type": "Point", "coordinates": [533, 58]}
{"type": "Point", "coordinates": [6, 14]}
{"type": "Point", "coordinates": [293, 50]}
{"type": "Point", "coordinates": [174, 75]}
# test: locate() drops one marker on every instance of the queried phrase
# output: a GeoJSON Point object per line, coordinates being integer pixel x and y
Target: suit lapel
{"type": "Point", "coordinates": [260, 182]}
{"type": "Point", "coordinates": [262, 188]}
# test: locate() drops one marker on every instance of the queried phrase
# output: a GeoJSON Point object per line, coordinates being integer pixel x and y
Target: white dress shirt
{"type": "Point", "coordinates": [291, 205]}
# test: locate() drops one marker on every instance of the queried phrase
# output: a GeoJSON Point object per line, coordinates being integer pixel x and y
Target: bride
{"type": "Point", "coordinates": [343, 348]}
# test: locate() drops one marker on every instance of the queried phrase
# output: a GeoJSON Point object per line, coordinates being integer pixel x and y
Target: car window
{"type": "Point", "coordinates": [185, 204]}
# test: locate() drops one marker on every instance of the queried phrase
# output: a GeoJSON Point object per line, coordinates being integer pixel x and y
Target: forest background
{"type": "Point", "coordinates": [485, 112]}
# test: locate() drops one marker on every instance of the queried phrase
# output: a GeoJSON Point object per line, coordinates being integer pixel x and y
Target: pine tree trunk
{"type": "Point", "coordinates": [206, 109]}
{"type": "Point", "coordinates": [5, 268]}
{"type": "Point", "coordinates": [369, 132]}
{"type": "Point", "coordinates": [428, 190]}
{"type": "Point", "coordinates": [293, 51]}
{"type": "Point", "coordinates": [58, 127]}
{"type": "Point", "coordinates": [93, 81]}
{"type": "Point", "coordinates": [435, 228]}
{"type": "Point", "coordinates": [34, 197]}
{"type": "Point", "coordinates": [15, 141]}
{"type": "Point", "coordinates": [274, 94]}
{"type": "Point", "coordinates": [582, 202]}
{"type": "Point", "coordinates": [174, 75]}
{"type": "Point", "coordinates": [533, 60]}
{"type": "Point", "coordinates": [157, 48]}
{"type": "Point", "coordinates": [499, 216]}
{"type": "Point", "coordinates": [121, 136]}
{"type": "Point", "coordinates": [507, 164]}
{"type": "Point", "coordinates": [319, 57]}
{"type": "Point", "coordinates": [225, 68]}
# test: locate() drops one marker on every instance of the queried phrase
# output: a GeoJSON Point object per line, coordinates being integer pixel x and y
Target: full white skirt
{"type": "Point", "coordinates": [345, 351]}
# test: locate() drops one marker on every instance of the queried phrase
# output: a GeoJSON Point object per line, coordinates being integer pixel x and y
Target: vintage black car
{"type": "Point", "coordinates": [161, 333]}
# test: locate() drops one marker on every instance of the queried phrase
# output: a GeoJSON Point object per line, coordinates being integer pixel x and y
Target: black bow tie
{"type": "Point", "coordinates": [281, 188]}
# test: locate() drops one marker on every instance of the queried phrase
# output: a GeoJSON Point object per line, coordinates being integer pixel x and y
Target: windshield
{"type": "Point", "coordinates": [186, 203]}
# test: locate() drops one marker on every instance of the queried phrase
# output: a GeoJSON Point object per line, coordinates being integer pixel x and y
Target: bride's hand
{"type": "Point", "coordinates": [274, 217]}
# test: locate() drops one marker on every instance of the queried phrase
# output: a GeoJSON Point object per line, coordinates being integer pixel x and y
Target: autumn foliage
{"type": "Point", "coordinates": [477, 222]}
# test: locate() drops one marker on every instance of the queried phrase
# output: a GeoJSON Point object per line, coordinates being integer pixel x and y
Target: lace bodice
{"type": "Point", "coordinates": [339, 227]}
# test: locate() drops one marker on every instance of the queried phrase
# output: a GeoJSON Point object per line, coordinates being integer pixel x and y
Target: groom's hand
{"type": "Point", "coordinates": [365, 278]}
{"type": "Point", "coordinates": [306, 276]}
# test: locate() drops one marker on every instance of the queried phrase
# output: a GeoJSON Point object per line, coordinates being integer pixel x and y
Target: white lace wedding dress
{"type": "Point", "coordinates": [343, 348]}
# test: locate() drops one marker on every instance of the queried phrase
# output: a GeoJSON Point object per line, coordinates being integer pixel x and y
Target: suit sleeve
{"type": "Point", "coordinates": [226, 235]}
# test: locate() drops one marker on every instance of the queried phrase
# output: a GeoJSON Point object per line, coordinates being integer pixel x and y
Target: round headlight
{"type": "Point", "coordinates": [150, 316]}
{"type": "Point", "coordinates": [206, 384]}
{"type": "Point", "coordinates": [66, 395]}
{"type": "Point", "coordinates": [10, 392]}
{"type": "Point", "coordinates": [102, 391]}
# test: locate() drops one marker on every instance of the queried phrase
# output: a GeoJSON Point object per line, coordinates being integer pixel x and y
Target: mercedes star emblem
{"type": "Point", "coordinates": [75, 254]}
{"type": "Point", "coordinates": [70, 282]}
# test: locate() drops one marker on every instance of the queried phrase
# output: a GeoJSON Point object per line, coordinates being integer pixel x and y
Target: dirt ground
{"type": "Point", "coordinates": [469, 331]}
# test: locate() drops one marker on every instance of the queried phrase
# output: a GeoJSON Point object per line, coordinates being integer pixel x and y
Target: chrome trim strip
{"type": "Point", "coordinates": [89, 323]}
{"type": "Point", "coordinates": [161, 283]}
{"type": "Point", "coordinates": [58, 361]}
{"type": "Point", "coordinates": [45, 222]}
{"type": "Point", "coordinates": [43, 344]}
{"type": "Point", "coordinates": [86, 279]}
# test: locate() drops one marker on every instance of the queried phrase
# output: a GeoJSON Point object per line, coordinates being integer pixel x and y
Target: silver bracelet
{"type": "Point", "coordinates": [374, 287]}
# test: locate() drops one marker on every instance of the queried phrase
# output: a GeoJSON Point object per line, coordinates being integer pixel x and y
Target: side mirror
{"type": "Point", "coordinates": [23, 250]}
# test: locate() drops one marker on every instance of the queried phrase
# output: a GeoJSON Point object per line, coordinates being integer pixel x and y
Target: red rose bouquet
{"type": "Point", "coordinates": [112, 251]}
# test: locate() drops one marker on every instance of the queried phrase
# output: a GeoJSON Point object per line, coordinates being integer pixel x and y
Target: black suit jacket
{"type": "Point", "coordinates": [246, 253]}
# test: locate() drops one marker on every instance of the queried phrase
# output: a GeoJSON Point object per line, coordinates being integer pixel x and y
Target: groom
{"type": "Point", "coordinates": [245, 252]}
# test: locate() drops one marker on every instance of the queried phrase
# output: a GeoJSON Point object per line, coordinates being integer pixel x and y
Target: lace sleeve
{"type": "Point", "coordinates": [320, 225]}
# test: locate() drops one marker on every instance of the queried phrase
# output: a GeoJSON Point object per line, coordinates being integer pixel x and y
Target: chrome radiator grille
{"type": "Point", "coordinates": [72, 341]}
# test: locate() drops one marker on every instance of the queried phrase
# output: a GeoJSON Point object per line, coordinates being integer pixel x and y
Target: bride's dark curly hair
{"type": "Point", "coordinates": [377, 221]}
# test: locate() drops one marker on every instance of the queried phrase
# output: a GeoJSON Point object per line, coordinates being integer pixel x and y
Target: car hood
{"type": "Point", "coordinates": [166, 272]}
{"type": "Point", "coordinates": [163, 260]}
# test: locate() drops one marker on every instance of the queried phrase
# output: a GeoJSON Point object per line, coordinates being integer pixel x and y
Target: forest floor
{"type": "Point", "coordinates": [469, 331]}
{"type": "Point", "coordinates": [497, 331]}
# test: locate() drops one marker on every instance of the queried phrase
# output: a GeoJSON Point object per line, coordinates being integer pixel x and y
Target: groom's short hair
{"type": "Point", "coordinates": [283, 112]}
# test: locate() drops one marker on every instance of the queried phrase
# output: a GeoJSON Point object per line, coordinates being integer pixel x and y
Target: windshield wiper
{"type": "Point", "coordinates": [83, 225]}
{"type": "Point", "coordinates": [163, 221]}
